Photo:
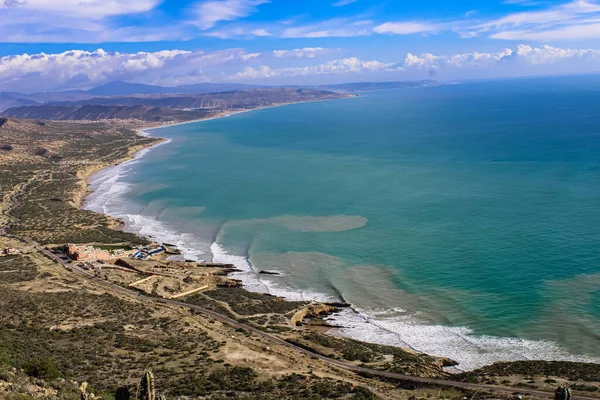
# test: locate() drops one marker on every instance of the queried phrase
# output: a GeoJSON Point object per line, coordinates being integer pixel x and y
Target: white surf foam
{"type": "Point", "coordinates": [458, 343]}
{"type": "Point", "coordinates": [371, 325]}
{"type": "Point", "coordinates": [254, 282]}
{"type": "Point", "coordinates": [375, 326]}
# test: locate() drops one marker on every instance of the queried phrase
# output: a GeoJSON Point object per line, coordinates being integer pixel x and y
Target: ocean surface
{"type": "Point", "coordinates": [458, 220]}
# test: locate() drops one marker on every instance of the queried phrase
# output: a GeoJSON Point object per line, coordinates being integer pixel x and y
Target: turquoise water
{"type": "Point", "coordinates": [462, 220]}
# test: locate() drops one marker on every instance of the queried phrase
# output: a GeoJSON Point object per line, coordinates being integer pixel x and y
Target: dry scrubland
{"type": "Point", "coordinates": [43, 166]}
{"type": "Point", "coordinates": [58, 329]}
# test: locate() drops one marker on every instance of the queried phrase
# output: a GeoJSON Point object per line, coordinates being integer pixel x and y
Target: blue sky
{"type": "Point", "coordinates": [60, 44]}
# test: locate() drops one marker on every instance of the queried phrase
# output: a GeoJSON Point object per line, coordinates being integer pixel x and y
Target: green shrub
{"type": "Point", "coordinates": [362, 393]}
{"type": "Point", "coordinates": [43, 368]}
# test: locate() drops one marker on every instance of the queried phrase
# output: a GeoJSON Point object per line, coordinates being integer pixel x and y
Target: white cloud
{"type": "Point", "coordinates": [552, 55]}
{"type": "Point", "coordinates": [254, 73]}
{"type": "Point", "coordinates": [93, 9]}
{"type": "Point", "coordinates": [229, 32]}
{"type": "Point", "coordinates": [524, 3]}
{"type": "Point", "coordinates": [404, 28]}
{"type": "Point", "coordinates": [77, 68]}
{"type": "Point", "coordinates": [260, 32]}
{"type": "Point", "coordinates": [523, 60]}
{"type": "Point", "coordinates": [96, 21]}
{"type": "Point", "coordinates": [81, 69]}
{"type": "Point", "coordinates": [342, 3]}
{"type": "Point", "coordinates": [211, 12]}
{"type": "Point", "coordinates": [521, 56]}
{"type": "Point", "coordinates": [59, 21]}
{"type": "Point", "coordinates": [39, 70]}
{"type": "Point", "coordinates": [338, 27]}
{"type": "Point", "coordinates": [577, 19]}
{"type": "Point", "coordinates": [583, 31]}
{"type": "Point", "coordinates": [342, 66]}
{"type": "Point", "coordinates": [475, 59]}
{"type": "Point", "coordinates": [308, 52]}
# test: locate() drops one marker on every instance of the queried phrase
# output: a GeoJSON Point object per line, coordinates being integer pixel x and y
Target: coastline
{"type": "Point", "coordinates": [84, 175]}
{"type": "Point", "coordinates": [252, 282]}
{"type": "Point", "coordinates": [142, 131]}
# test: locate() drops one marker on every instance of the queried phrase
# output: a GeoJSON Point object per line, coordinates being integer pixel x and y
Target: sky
{"type": "Point", "coordinates": [48, 45]}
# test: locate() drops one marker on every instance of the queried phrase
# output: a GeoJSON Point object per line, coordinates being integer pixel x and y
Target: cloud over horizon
{"type": "Point", "coordinates": [77, 69]}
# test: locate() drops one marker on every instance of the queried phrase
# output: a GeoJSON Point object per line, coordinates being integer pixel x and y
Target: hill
{"type": "Point", "coordinates": [103, 112]}
{"type": "Point", "coordinates": [167, 108]}
{"type": "Point", "coordinates": [118, 88]}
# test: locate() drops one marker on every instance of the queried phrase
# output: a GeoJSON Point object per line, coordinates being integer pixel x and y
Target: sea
{"type": "Point", "coordinates": [459, 220]}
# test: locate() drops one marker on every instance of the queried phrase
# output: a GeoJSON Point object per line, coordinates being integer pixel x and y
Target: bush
{"type": "Point", "coordinates": [236, 378]}
{"type": "Point", "coordinates": [329, 389]}
{"type": "Point", "coordinates": [584, 388]}
{"type": "Point", "coordinates": [42, 368]}
{"type": "Point", "coordinates": [18, 396]}
{"type": "Point", "coordinates": [40, 151]}
{"type": "Point", "coordinates": [362, 393]}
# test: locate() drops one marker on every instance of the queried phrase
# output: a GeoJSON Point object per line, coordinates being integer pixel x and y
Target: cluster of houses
{"type": "Point", "coordinates": [89, 253]}
{"type": "Point", "coordinates": [84, 252]}
{"type": "Point", "coordinates": [9, 251]}
{"type": "Point", "coordinates": [144, 253]}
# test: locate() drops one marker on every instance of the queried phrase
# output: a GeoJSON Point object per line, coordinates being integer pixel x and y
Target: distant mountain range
{"type": "Point", "coordinates": [167, 108]}
{"type": "Point", "coordinates": [127, 89]}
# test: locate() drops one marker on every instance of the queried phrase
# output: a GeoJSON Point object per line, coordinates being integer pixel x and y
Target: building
{"type": "Point", "coordinates": [144, 253]}
{"type": "Point", "coordinates": [87, 253]}
{"type": "Point", "coordinates": [10, 251]}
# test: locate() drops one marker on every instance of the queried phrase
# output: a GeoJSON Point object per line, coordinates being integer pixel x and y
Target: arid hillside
{"type": "Point", "coordinates": [164, 108]}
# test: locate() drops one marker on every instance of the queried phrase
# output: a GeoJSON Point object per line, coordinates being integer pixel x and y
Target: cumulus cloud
{"type": "Point", "coordinates": [475, 59]}
{"type": "Point", "coordinates": [342, 66]}
{"type": "Point", "coordinates": [308, 52]}
{"type": "Point", "coordinates": [77, 68]}
{"type": "Point", "coordinates": [40, 70]}
{"type": "Point", "coordinates": [81, 69]}
{"type": "Point", "coordinates": [521, 61]}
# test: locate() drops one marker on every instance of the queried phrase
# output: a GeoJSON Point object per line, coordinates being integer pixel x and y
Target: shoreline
{"type": "Point", "coordinates": [253, 283]}
{"type": "Point", "coordinates": [87, 174]}
{"type": "Point", "coordinates": [224, 114]}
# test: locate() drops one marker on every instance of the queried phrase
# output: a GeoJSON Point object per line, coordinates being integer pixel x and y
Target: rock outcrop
{"type": "Point", "coordinates": [315, 310]}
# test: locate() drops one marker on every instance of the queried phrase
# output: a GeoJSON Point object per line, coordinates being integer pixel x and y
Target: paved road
{"type": "Point", "coordinates": [277, 340]}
